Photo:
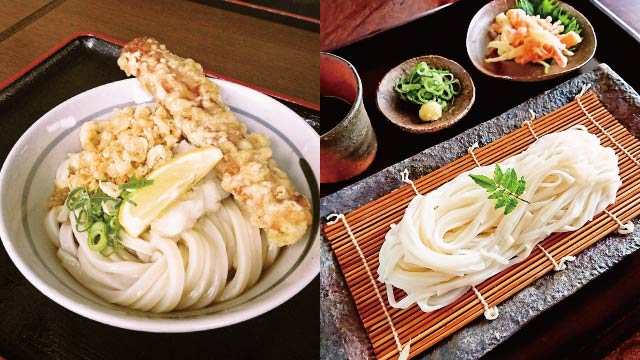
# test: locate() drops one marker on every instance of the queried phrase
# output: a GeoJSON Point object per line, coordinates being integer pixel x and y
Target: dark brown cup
{"type": "Point", "coordinates": [349, 148]}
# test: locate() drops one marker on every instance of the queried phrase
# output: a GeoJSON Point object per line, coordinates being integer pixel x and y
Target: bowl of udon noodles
{"type": "Point", "coordinates": [120, 206]}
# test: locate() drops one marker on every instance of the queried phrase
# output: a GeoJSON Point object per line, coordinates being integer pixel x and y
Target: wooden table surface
{"type": "Point", "coordinates": [272, 55]}
{"type": "Point", "coordinates": [346, 22]}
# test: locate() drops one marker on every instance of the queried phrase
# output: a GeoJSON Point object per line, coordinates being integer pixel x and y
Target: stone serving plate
{"type": "Point", "coordinates": [405, 115]}
{"type": "Point", "coordinates": [342, 333]}
{"type": "Point", "coordinates": [478, 38]}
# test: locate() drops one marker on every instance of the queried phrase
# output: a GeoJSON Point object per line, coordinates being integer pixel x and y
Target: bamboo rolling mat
{"type": "Point", "coordinates": [370, 223]}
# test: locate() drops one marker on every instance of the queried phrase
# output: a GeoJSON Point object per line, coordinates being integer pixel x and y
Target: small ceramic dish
{"type": "Point", "coordinates": [405, 115]}
{"type": "Point", "coordinates": [478, 37]}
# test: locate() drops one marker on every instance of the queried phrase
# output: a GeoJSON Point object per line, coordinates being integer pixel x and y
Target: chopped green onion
{"type": "Point", "coordinates": [109, 207]}
{"type": "Point", "coordinates": [82, 219]}
{"type": "Point", "coordinates": [545, 64]}
{"type": "Point", "coordinates": [114, 223]}
{"type": "Point", "coordinates": [97, 236]}
{"type": "Point", "coordinates": [425, 84]}
{"type": "Point", "coordinates": [97, 213]}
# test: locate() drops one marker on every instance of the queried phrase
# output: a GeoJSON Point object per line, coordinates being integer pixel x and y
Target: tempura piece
{"type": "Point", "coordinates": [132, 143]}
{"type": "Point", "coordinates": [247, 170]}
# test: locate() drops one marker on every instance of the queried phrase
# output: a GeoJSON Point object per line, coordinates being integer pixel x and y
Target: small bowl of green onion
{"type": "Point", "coordinates": [425, 94]}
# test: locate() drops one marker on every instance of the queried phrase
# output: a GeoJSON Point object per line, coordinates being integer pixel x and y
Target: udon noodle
{"type": "Point", "coordinates": [202, 250]}
{"type": "Point", "coordinates": [452, 238]}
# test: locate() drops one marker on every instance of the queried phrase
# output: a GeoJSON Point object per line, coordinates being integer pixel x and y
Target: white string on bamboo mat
{"type": "Point", "coordinates": [470, 151]}
{"type": "Point", "coordinates": [528, 123]}
{"type": "Point", "coordinates": [557, 265]}
{"type": "Point", "coordinates": [586, 87]}
{"type": "Point", "coordinates": [404, 176]}
{"type": "Point", "coordinates": [490, 313]}
{"type": "Point", "coordinates": [334, 218]}
{"type": "Point", "coordinates": [623, 229]}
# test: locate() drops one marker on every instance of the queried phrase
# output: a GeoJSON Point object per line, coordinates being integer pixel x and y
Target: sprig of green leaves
{"type": "Point", "coordinates": [505, 187]}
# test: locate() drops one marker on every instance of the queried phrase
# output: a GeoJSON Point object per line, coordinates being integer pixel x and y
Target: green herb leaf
{"type": "Point", "coordinates": [551, 8]}
{"type": "Point", "coordinates": [135, 183]}
{"type": "Point", "coordinates": [505, 187]}
{"type": "Point", "coordinates": [520, 186]}
{"type": "Point", "coordinates": [526, 6]}
{"type": "Point", "coordinates": [502, 202]}
{"type": "Point", "coordinates": [511, 205]}
{"type": "Point", "coordinates": [498, 174]}
{"type": "Point", "coordinates": [511, 180]}
{"type": "Point", "coordinates": [484, 181]}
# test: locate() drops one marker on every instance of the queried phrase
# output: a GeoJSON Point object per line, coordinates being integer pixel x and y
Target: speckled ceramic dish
{"type": "Point", "coordinates": [350, 146]}
{"type": "Point", "coordinates": [26, 181]}
{"type": "Point", "coordinates": [478, 37]}
{"type": "Point", "coordinates": [405, 115]}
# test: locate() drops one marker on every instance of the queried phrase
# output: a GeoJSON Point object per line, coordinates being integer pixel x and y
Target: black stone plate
{"type": "Point", "coordinates": [34, 327]}
{"type": "Point", "coordinates": [342, 333]}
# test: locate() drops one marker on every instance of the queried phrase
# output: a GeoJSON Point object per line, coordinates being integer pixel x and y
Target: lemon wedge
{"type": "Point", "coordinates": [170, 180]}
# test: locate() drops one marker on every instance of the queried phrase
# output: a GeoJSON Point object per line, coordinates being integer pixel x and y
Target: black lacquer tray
{"type": "Point", "coordinates": [34, 327]}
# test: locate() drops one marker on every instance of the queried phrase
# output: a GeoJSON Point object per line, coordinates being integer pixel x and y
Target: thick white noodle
{"type": "Point", "coordinates": [217, 260]}
{"type": "Point", "coordinates": [452, 238]}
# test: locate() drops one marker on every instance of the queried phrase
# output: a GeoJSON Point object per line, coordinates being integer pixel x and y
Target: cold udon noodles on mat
{"type": "Point", "coordinates": [455, 237]}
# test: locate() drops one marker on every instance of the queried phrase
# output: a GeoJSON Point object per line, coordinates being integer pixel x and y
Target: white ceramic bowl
{"type": "Point", "coordinates": [26, 180]}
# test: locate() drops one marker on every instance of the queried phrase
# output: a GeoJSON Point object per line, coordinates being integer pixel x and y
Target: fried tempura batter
{"type": "Point", "coordinates": [133, 142]}
{"type": "Point", "coordinates": [247, 170]}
